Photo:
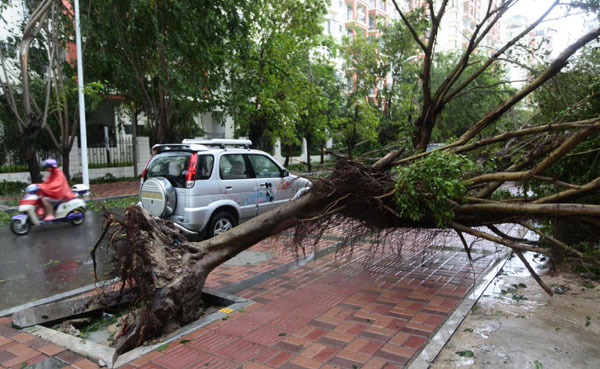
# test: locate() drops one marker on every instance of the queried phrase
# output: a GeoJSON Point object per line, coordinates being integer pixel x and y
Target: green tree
{"type": "Point", "coordinates": [265, 77]}
{"type": "Point", "coordinates": [167, 58]}
{"type": "Point", "coordinates": [400, 96]}
{"type": "Point", "coordinates": [481, 95]}
{"type": "Point", "coordinates": [43, 97]}
{"type": "Point", "coordinates": [358, 123]}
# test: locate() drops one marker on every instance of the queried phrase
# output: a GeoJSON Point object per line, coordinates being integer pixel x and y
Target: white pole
{"type": "Point", "coordinates": [82, 135]}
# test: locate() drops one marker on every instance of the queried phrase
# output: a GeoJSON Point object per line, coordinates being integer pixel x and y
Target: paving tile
{"type": "Point", "coordinates": [306, 363]}
{"type": "Point", "coordinates": [240, 350]}
{"type": "Point", "coordinates": [19, 359]}
{"type": "Point", "coordinates": [146, 358]}
{"type": "Point", "coordinates": [51, 349]}
{"type": "Point", "coordinates": [23, 337]}
{"type": "Point", "coordinates": [262, 316]}
{"type": "Point", "coordinates": [6, 356]}
{"type": "Point", "coordinates": [85, 364]}
{"type": "Point", "coordinates": [374, 363]}
{"type": "Point", "coordinates": [290, 322]}
{"type": "Point", "coordinates": [326, 354]}
{"type": "Point", "coordinates": [414, 342]}
{"type": "Point", "coordinates": [265, 335]}
{"type": "Point", "coordinates": [181, 357]}
{"type": "Point", "coordinates": [238, 327]}
{"type": "Point", "coordinates": [68, 357]}
{"type": "Point", "coordinates": [4, 340]}
{"type": "Point", "coordinates": [279, 359]}
{"type": "Point", "coordinates": [36, 359]}
{"type": "Point", "coordinates": [20, 349]}
{"type": "Point", "coordinates": [313, 350]}
{"type": "Point", "coordinates": [37, 343]}
{"type": "Point", "coordinates": [211, 341]}
{"type": "Point", "coordinates": [8, 332]}
{"type": "Point", "coordinates": [253, 365]}
{"type": "Point", "coordinates": [311, 310]}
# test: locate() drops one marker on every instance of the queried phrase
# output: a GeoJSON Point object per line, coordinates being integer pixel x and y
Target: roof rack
{"type": "Point", "coordinates": [220, 142]}
{"type": "Point", "coordinates": [186, 147]}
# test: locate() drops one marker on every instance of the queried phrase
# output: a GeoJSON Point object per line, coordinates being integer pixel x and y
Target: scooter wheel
{"type": "Point", "coordinates": [79, 221]}
{"type": "Point", "coordinates": [19, 228]}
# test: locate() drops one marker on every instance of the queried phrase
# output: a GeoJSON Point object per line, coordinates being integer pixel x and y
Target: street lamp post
{"type": "Point", "coordinates": [82, 127]}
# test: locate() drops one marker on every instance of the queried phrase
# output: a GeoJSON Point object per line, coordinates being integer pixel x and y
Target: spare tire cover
{"type": "Point", "coordinates": [158, 197]}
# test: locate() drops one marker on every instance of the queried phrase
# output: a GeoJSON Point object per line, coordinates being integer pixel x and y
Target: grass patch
{"type": "Point", "coordinates": [119, 203]}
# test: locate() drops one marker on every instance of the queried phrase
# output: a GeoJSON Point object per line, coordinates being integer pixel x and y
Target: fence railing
{"type": "Point", "coordinates": [117, 154]}
{"type": "Point", "coordinates": [13, 161]}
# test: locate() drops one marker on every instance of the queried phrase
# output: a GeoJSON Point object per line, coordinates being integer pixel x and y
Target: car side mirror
{"type": "Point", "coordinates": [285, 173]}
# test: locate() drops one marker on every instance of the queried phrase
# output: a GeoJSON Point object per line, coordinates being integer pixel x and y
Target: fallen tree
{"type": "Point", "coordinates": [443, 188]}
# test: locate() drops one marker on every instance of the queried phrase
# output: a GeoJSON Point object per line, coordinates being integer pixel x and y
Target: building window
{"type": "Point", "coordinates": [371, 21]}
{"type": "Point", "coordinates": [361, 14]}
{"type": "Point", "coordinates": [349, 14]}
{"type": "Point", "coordinates": [381, 4]}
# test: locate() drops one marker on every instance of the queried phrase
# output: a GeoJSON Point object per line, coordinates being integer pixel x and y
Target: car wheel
{"type": "Point", "coordinates": [19, 228]}
{"type": "Point", "coordinates": [219, 223]}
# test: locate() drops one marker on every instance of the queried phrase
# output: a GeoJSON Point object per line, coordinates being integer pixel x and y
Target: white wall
{"type": "Point", "coordinates": [143, 155]}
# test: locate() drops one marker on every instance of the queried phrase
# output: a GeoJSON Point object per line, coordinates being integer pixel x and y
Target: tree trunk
{"type": "Point", "coordinates": [66, 162]}
{"type": "Point", "coordinates": [308, 164]}
{"type": "Point", "coordinates": [31, 159]}
{"type": "Point", "coordinates": [173, 291]}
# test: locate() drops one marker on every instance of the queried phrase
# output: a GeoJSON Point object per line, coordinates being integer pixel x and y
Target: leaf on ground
{"type": "Point", "coordinates": [538, 365]}
{"type": "Point", "coordinates": [467, 353]}
{"type": "Point", "coordinates": [183, 342]}
{"type": "Point", "coordinates": [521, 316]}
{"type": "Point", "coordinates": [474, 308]}
{"type": "Point", "coordinates": [162, 347]}
{"type": "Point", "coordinates": [468, 330]}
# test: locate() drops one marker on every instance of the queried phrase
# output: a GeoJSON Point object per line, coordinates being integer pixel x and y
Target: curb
{"type": "Point", "coordinates": [436, 343]}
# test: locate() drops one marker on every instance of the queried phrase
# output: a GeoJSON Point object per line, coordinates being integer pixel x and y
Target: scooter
{"type": "Point", "coordinates": [32, 210]}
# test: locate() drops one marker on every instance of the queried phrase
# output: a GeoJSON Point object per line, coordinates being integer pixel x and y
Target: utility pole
{"type": "Point", "coordinates": [82, 127]}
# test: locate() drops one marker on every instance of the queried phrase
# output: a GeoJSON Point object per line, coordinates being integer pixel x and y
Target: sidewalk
{"type": "Point", "coordinates": [376, 309]}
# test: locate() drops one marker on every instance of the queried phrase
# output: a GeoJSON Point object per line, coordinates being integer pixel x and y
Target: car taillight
{"type": "Point", "coordinates": [146, 168]}
{"type": "Point", "coordinates": [191, 173]}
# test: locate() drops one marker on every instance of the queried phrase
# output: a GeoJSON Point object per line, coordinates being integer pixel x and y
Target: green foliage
{"type": "Point", "coordinates": [358, 122]}
{"type": "Point", "coordinates": [8, 188]}
{"type": "Point", "coordinates": [270, 77]}
{"type": "Point", "coordinates": [428, 187]}
{"type": "Point", "coordinates": [479, 97]}
{"type": "Point", "coordinates": [168, 59]}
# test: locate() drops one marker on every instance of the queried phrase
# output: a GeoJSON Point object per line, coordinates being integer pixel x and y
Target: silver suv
{"type": "Point", "coordinates": [208, 187]}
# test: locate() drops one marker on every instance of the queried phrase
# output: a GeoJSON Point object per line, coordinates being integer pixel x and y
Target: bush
{"type": "Point", "coordinates": [11, 188]}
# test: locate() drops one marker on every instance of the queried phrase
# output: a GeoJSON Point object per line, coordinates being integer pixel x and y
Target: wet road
{"type": "Point", "coordinates": [49, 260]}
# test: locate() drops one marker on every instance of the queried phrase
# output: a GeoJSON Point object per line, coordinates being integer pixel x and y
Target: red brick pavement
{"type": "Point", "coordinates": [374, 310]}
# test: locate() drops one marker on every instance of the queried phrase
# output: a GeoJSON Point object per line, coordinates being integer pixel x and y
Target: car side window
{"type": "Point", "coordinates": [233, 167]}
{"type": "Point", "coordinates": [205, 166]}
{"type": "Point", "coordinates": [264, 167]}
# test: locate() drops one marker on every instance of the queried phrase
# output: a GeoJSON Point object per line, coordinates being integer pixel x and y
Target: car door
{"type": "Point", "coordinates": [238, 183]}
{"type": "Point", "coordinates": [273, 187]}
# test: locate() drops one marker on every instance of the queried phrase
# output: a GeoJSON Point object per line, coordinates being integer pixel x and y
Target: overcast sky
{"type": "Point", "coordinates": [569, 28]}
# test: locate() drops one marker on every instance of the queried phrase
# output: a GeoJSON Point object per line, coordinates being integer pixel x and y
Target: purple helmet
{"type": "Point", "coordinates": [49, 163]}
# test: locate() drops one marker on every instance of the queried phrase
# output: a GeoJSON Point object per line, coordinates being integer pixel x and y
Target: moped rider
{"type": "Point", "coordinates": [55, 189]}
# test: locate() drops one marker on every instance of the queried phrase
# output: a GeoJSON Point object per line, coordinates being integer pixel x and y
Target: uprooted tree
{"type": "Point", "coordinates": [457, 186]}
